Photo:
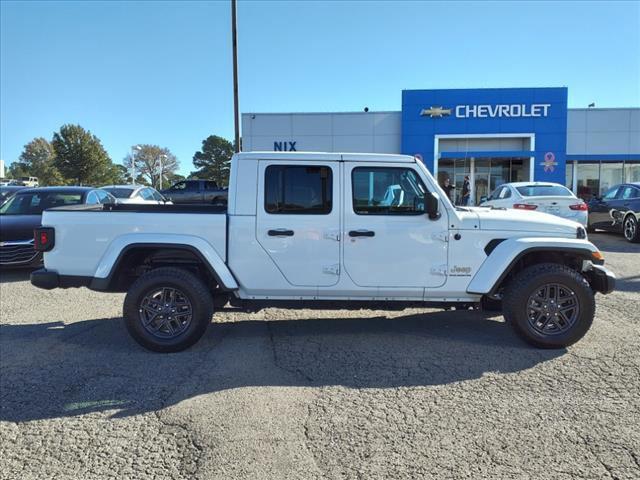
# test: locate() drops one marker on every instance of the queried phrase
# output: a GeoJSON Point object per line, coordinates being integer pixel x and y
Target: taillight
{"type": "Point", "coordinates": [43, 239]}
{"type": "Point", "coordinates": [579, 206]}
{"type": "Point", "coordinates": [525, 206]}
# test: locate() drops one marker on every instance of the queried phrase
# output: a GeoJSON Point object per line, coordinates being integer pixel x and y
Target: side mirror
{"type": "Point", "coordinates": [432, 206]}
{"type": "Point", "coordinates": [483, 199]}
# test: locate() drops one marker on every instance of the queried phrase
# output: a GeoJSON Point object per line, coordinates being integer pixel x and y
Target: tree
{"type": "Point", "coordinates": [213, 160]}
{"type": "Point", "coordinates": [38, 159]}
{"type": "Point", "coordinates": [121, 175]}
{"type": "Point", "coordinates": [81, 158]}
{"type": "Point", "coordinates": [153, 163]}
{"type": "Point", "coordinates": [17, 170]}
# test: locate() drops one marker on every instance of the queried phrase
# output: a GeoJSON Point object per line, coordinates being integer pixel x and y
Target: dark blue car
{"type": "Point", "coordinates": [618, 210]}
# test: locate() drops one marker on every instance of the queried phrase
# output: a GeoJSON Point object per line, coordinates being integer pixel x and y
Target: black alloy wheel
{"type": "Point", "coordinates": [553, 309]}
{"type": "Point", "coordinates": [165, 312]}
{"type": "Point", "coordinates": [630, 229]}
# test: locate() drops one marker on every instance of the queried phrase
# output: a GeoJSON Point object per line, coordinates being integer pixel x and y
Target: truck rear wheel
{"type": "Point", "coordinates": [167, 309]}
{"type": "Point", "coordinates": [549, 305]}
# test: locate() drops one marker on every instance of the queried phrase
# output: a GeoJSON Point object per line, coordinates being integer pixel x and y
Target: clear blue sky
{"type": "Point", "coordinates": [160, 72]}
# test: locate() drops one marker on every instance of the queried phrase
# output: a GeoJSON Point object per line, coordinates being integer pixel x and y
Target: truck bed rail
{"type": "Point", "coordinates": [142, 208]}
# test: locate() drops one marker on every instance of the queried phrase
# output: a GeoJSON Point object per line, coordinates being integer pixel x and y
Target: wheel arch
{"type": "Point", "coordinates": [135, 258]}
{"type": "Point", "coordinates": [509, 258]}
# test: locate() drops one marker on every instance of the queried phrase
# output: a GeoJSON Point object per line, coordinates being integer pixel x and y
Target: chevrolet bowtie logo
{"type": "Point", "coordinates": [435, 112]}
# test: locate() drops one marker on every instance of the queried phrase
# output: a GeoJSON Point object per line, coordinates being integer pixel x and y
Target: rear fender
{"type": "Point", "coordinates": [109, 261]}
{"type": "Point", "coordinates": [507, 253]}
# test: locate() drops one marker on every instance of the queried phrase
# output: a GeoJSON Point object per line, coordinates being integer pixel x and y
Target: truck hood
{"type": "Point", "coordinates": [516, 221]}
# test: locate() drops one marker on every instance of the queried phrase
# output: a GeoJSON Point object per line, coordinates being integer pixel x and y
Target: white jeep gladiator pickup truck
{"type": "Point", "coordinates": [325, 230]}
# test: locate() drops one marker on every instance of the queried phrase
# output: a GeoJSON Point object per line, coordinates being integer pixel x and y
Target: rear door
{"type": "Point", "coordinates": [298, 220]}
{"type": "Point", "coordinates": [389, 239]}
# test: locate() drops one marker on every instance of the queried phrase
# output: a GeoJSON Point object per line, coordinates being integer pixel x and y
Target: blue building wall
{"type": "Point", "coordinates": [541, 111]}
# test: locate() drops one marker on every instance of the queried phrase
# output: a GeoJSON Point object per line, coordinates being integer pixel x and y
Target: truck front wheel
{"type": "Point", "coordinates": [167, 309]}
{"type": "Point", "coordinates": [549, 305]}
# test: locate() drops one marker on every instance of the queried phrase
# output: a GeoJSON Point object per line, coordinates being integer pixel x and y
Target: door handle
{"type": "Point", "coordinates": [362, 233]}
{"type": "Point", "coordinates": [280, 232]}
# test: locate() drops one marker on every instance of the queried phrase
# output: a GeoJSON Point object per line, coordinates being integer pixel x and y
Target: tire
{"type": "Point", "coordinates": [173, 292]}
{"type": "Point", "coordinates": [524, 308]}
{"type": "Point", "coordinates": [630, 229]}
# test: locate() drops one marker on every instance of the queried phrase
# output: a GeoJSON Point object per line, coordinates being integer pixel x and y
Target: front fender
{"type": "Point", "coordinates": [198, 245]}
{"type": "Point", "coordinates": [509, 251]}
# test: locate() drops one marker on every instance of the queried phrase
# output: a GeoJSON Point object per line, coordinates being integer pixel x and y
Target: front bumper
{"type": "Point", "coordinates": [19, 253]}
{"type": "Point", "coordinates": [49, 280]}
{"type": "Point", "coordinates": [601, 279]}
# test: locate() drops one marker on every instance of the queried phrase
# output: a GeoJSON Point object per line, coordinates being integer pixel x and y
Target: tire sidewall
{"type": "Point", "coordinates": [517, 309]}
{"type": "Point", "coordinates": [201, 311]}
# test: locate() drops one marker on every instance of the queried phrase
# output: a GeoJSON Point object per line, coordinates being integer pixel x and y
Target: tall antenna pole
{"type": "Point", "coordinates": [236, 112]}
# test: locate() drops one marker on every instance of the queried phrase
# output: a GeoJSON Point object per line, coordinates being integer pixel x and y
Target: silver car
{"type": "Point", "coordinates": [136, 194]}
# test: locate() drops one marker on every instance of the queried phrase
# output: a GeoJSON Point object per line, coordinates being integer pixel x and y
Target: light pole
{"type": "Point", "coordinates": [160, 170]}
{"type": "Point", "coordinates": [133, 162]}
{"type": "Point", "coordinates": [234, 41]}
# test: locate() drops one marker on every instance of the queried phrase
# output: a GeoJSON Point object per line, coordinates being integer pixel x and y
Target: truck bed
{"type": "Point", "coordinates": [87, 236]}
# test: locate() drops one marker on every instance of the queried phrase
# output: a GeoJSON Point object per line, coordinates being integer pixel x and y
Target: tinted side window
{"type": "Point", "coordinates": [303, 190]}
{"type": "Point", "coordinates": [387, 191]}
{"type": "Point", "coordinates": [157, 196]}
{"type": "Point", "coordinates": [208, 185]}
{"type": "Point", "coordinates": [103, 196]}
{"type": "Point", "coordinates": [630, 192]}
{"type": "Point", "coordinates": [611, 193]}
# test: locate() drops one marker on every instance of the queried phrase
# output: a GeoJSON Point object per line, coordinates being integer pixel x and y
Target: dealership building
{"type": "Point", "coordinates": [492, 135]}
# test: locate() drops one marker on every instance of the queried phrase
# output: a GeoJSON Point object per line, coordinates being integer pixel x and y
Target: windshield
{"type": "Point", "coordinates": [544, 191]}
{"type": "Point", "coordinates": [120, 192]}
{"type": "Point", "coordinates": [35, 203]}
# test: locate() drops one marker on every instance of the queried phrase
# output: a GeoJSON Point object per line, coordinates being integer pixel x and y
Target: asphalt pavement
{"type": "Point", "coordinates": [317, 394]}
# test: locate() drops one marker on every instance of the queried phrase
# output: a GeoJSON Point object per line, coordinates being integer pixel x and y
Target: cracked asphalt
{"type": "Point", "coordinates": [317, 394]}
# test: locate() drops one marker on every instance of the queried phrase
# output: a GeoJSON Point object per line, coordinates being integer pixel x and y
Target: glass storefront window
{"type": "Point", "coordinates": [568, 181]}
{"type": "Point", "coordinates": [610, 174]}
{"type": "Point", "coordinates": [632, 172]}
{"type": "Point", "coordinates": [446, 172]}
{"type": "Point", "coordinates": [462, 165]}
{"type": "Point", "coordinates": [588, 180]}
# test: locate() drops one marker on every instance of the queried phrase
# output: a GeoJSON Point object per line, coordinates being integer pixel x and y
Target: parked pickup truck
{"type": "Point", "coordinates": [325, 230]}
{"type": "Point", "coordinates": [196, 191]}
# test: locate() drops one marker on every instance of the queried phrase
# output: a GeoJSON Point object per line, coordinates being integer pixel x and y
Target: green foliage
{"type": "Point", "coordinates": [213, 160]}
{"type": "Point", "coordinates": [174, 178]}
{"type": "Point", "coordinates": [81, 158]}
{"type": "Point", "coordinates": [17, 170]}
{"type": "Point", "coordinates": [153, 163]}
{"type": "Point", "coordinates": [38, 158]}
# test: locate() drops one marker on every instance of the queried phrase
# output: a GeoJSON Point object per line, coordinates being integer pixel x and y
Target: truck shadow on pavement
{"type": "Point", "coordinates": [53, 370]}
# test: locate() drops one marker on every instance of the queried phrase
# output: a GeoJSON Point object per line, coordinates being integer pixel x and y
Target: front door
{"type": "Point", "coordinates": [298, 220]}
{"type": "Point", "coordinates": [600, 209]}
{"type": "Point", "coordinates": [389, 239]}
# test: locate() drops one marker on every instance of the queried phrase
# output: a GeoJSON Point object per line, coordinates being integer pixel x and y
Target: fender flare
{"type": "Point", "coordinates": [508, 252]}
{"type": "Point", "coordinates": [198, 246]}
